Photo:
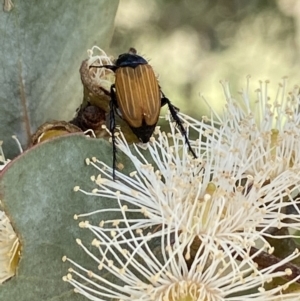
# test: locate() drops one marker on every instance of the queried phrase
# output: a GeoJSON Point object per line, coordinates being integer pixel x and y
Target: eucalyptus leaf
{"type": "Point", "coordinates": [42, 45]}
{"type": "Point", "coordinates": [37, 195]}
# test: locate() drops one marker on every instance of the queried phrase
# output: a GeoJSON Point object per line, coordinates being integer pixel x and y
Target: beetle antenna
{"type": "Point", "coordinates": [173, 110]}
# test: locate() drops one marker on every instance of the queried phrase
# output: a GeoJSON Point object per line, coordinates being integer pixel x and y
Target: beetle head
{"type": "Point", "coordinates": [130, 59]}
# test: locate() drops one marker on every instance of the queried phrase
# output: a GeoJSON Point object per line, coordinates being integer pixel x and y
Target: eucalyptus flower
{"type": "Point", "coordinates": [143, 266]}
{"type": "Point", "coordinates": [213, 214]}
{"type": "Point", "coordinates": [101, 77]}
{"type": "Point", "coordinates": [9, 242]}
{"type": "Point", "coordinates": [210, 199]}
{"type": "Point", "coordinates": [258, 125]}
{"type": "Point", "coordinates": [9, 248]}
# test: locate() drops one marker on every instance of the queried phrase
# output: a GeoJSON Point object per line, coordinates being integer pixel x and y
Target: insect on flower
{"type": "Point", "coordinates": [137, 98]}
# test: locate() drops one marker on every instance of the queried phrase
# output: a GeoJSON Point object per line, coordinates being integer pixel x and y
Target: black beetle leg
{"type": "Point", "coordinates": [112, 127]}
{"type": "Point", "coordinates": [164, 100]}
{"type": "Point", "coordinates": [173, 110]}
{"type": "Point", "coordinates": [111, 67]}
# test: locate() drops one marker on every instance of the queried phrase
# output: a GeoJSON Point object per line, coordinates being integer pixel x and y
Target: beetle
{"type": "Point", "coordinates": [137, 98]}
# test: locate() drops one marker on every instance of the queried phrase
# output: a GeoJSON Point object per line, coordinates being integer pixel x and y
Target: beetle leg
{"type": "Point", "coordinates": [173, 110]}
{"type": "Point", "coordinates": [164, 100]}
{"type": "Point", "coordinates": [112, 126]}
{"type": "Point", "coordinates": [111, 67]}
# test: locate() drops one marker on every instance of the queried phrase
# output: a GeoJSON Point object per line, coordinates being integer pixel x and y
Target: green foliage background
{"type": "Point", "coordinates": [193, 45]}
{"type": "Point", "coordinates": [42, 45]}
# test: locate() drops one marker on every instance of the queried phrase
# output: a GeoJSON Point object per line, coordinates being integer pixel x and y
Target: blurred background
{"type": "Point", "coordinates": [192, 45]}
